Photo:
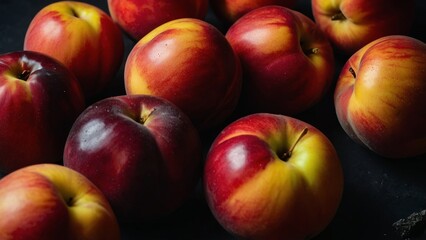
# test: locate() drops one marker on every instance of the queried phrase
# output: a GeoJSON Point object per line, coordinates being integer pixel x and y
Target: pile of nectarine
{"type": "Point", "coordinates": [89, 165]}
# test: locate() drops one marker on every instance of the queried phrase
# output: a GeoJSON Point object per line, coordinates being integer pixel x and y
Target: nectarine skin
{"type": "Point", "coordinates": [141, 151]}
{"type": "Point", "coordinates": [138, 17]}
{"type": "Point", "coordinates": [190, 63]}
{"type": "Point", "coordinates": [257, 189]}
{"type": "Point", "coordinates": [380, 96]}
{"type": "Point", "coordinates": [231, 10]}
{"type": "Point", "coordinates": [81, 36]}
{"type": "Point", "coordinates": [287, 62]}
{"type": "Point", "coordinates": [351, 24]}
{"type": "Point", "coordinates": [39, 101]}
{"type": "Point", "coordinates": [51, 202]}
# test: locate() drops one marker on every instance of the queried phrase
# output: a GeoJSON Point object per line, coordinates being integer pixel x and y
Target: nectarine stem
{"type": "Point", "coordinates": [306, 50]}
{"type": "Point", "coordinates": [352, 71]}
{"type": "Point", "coordinates": [74, 13]}
{"type": "Point", "coordinates": [312, 51]}
{"type": "Point", "coordinates": [287, 154]}
{"type": "Point", "coordinates": [145, 117]}
{"type": "Point", "coordinates": [24, 74]}
{"type": "Point", "coordinates": [338, 17]}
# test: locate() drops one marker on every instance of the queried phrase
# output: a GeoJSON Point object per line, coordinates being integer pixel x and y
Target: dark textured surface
{"type": "Point", "coordinates": [377, 193]}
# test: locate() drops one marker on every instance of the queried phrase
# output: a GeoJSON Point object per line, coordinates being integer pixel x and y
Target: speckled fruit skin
{"type": "Point", "coordinates": [351, 24]}
{"type": "Point", "coordinates": [255, 191]}
{"type": "Point", "coordinates": [81, 36]}
{"type": "Point", "coordinates": [288, 63]}
{"type": "Point", "coordinates": [230, 11]}
{"type": "Point", "coordinates": [380, 96]}
{"type": "Point", "coordinates": [51, 202]}
{"type": "Point", "coordinates": [138, 17]}
{"type": "Point", "coordinates": [190, 63]}
{"type": "Point", "coordinates": [39, 101]}
{"type": "Point", "coordinates": [142, 152]}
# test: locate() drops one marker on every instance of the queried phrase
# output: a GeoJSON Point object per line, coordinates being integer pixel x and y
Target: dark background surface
{"type": "Point", "coordinates": [377, 191]}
